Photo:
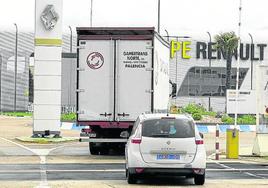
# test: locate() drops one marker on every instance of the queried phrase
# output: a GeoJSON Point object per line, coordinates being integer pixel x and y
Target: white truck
{"type": "Point", "coordinates": [121, 73]}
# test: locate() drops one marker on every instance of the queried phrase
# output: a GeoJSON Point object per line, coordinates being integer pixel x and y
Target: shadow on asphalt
{"type": "Point", "coordinates": [166, 181]}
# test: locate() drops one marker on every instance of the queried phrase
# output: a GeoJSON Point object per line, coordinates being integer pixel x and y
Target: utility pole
{"type": "Point", "coordinates": [238, 63]}
{"type": "Point", "coordinates": [15, 64]}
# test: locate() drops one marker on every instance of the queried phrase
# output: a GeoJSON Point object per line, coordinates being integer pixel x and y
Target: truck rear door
{"type": "Point", "coordinates": [95, 84]}
{"type": "Point", "coordinates": [133, 78]}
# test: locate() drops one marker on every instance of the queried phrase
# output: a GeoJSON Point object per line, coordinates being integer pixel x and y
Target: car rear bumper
{"type": "Point", "coordinates": [166, 171]}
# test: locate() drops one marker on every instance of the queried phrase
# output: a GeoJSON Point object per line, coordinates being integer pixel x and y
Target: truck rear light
{"type": "Point", "coordinates": [199, 142]}
{"type": "Point", "coordinates": [136, 140]}
{"type": "Point", "coordinates": [139, 170]}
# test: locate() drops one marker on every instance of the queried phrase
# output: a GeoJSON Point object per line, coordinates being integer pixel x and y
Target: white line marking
{"type": "Point", "coordinates": [244, 171]}
{"type": "Point", "coordinates": [224, 166]}
{"type": "Point", "coordinates": [120, 170]}
{"type": "Point", "coordinates": [253, 175]}
{"type": "Point", "coordinates": [42, 153]}
{"type": "Point", "coordinates": [17, 144]}
{"type": "Point", "coordinates": [262, 174]}
{"type": "Point", "coordinates": [34, 171]}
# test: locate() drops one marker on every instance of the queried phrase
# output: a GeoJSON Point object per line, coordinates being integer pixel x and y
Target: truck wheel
{"type": "Point", "coordinates": [104, 150]}
{"type": "Point", "coordinates": [199, 179]}
{"type": "Point", "coordinates": [93, 149]}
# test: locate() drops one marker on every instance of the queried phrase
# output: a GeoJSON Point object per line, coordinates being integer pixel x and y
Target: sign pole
{"type": "Point", "coordinates": [47, 68]}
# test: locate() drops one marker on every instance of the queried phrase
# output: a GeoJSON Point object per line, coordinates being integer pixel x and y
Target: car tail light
{"type": "Point", "coordinates": [198, 171]}
{"type": "Point", "coordinates": [199, 142]}
{"type": "Point", "coordinates": [136, 140]}
{"type": "Point", "coordinates": [139, 170]}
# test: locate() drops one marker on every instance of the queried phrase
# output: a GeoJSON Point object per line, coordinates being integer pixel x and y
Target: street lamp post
{"type": "Point", "coordinates": [158, 24]}
{"type": "Point", "coordinates": [70, 79]}
{"type": "Point", "coordinates": [251, 61]}
{"type": "Point", "coordinates": [209, 59]}
{"type": "Point", "coordinates": [1, 81]}
{"type": "Point", "coordinates": [167, 35]}
{"type": "Point", "coordinates": [71, 39]}
{"type": "Point", "coordinates": [238, 63]}
{"type": "Point", "coordinates": [16, 62]}
{"type": "Point", "coordinates": [91, 9]}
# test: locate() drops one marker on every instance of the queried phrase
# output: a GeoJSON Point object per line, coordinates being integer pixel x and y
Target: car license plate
{"type": "Point", "coordinates": [91, 135]}
{"type": "Point", "coordinates": [168, 156]}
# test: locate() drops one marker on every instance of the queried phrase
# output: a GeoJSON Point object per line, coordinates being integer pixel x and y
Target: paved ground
{"type": "Point", "coordinates": [113, 175]}
{"type": "Point", "coordinates": [116, 171]}
{"type": "Point", "coordinates": [71, 165]}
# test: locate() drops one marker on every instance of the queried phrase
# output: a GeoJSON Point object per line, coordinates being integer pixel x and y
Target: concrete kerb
{"type": "Point", "coordinates": [46, 140]}
{"type": "Point", "coordinates": [209, 128]}
{"type": "Point", "coordinates": [203, 128]}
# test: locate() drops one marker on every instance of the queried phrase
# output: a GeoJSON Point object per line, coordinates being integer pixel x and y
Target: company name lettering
{"type": "Point", "coordinates": [208, 51]}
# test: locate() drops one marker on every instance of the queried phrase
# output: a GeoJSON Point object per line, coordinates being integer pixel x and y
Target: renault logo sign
{"type": "Point", "coordinates": [49, 17]}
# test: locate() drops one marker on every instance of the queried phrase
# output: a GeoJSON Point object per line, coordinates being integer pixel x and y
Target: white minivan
{"type": "Point", "coordinates": [165, 144]}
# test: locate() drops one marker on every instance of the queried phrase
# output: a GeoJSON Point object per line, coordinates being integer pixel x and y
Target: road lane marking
{"type": "Point", "coordinates": [33, 171]}
{"type": "Point", "coordinates": [224, 166]}
{"type": "Point", "coordinates": [17, 144]}
{"type": "Point", "coordinates": [244, 171]}
{"type": "Point", "coordinates": [121, 170]}
{"type": "Point", "coordinates": [262, 174]}
{"type": "Point", "coordinates": [254, 175]}
{"type": "Point", "coordinates": [42, 153]}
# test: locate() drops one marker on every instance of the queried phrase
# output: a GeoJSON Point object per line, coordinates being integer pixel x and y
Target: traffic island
{"type": "Point", "coordinates": [46, 140]}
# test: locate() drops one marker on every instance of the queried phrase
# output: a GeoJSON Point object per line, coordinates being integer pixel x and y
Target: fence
{"type": "Point", "coordinates": [9, 99]}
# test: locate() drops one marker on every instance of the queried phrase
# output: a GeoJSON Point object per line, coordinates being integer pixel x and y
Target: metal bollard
{"type": "Point", "coordinates": [217, 143]}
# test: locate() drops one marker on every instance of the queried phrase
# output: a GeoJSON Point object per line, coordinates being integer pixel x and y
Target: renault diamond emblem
{"type": "Point", "coordinates": [49, 17]}
{"type": "Point", "coordinates": [168, 142]}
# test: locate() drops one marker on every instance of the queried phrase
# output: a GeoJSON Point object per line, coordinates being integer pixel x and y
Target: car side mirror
{"type": "Point", "coordinates": [201, 135]}
{"type": "Point", "coordinates": [173, 89]}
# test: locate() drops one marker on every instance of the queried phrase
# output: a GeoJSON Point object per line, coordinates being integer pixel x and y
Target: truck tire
{"type": "Point", "coordinates": [93, 149]}
{"type": "Point", "coordinates": [104, 150]}
{"type": "Point", "coordinates": [199, 179]}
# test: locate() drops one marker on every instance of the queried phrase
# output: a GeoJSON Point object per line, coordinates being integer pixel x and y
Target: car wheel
{"type": "Point", "coordinates": [131, 179]}
{"type": "Point", "coordinates": [199, 179]}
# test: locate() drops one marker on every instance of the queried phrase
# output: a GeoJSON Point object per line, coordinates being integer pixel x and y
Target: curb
{"type": "Point", "coordinates": [46, 140]}
{"type": "Point", "coordinates": [223, 128]}
{"type": "Point", "coordinates": [201, 128]}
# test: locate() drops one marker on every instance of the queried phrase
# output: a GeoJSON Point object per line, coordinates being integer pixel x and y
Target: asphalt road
{"type": "Point", "coordinates": [113, 171]}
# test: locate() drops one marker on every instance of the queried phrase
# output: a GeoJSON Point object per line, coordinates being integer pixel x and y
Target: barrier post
{"type": "Point", "coordinates": [217, 143]}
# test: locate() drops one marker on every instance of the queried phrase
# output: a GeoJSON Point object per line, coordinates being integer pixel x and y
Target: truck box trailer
{"type": "Point", "coordinates": [121, 73]}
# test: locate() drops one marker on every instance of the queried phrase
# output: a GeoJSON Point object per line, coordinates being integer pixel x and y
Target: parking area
{"type": "Point", "coordinates": [69, 164]}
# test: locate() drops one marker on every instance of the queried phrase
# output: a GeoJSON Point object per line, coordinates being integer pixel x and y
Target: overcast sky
{"type": "Point", "coordinates": [179, 17]}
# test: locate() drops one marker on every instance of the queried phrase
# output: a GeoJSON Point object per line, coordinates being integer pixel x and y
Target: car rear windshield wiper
{"type": "Point", "coordinates": [160, 135]}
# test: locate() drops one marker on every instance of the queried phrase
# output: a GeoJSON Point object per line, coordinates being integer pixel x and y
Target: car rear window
{"type": "Point", "coordinates": [169, 128]}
